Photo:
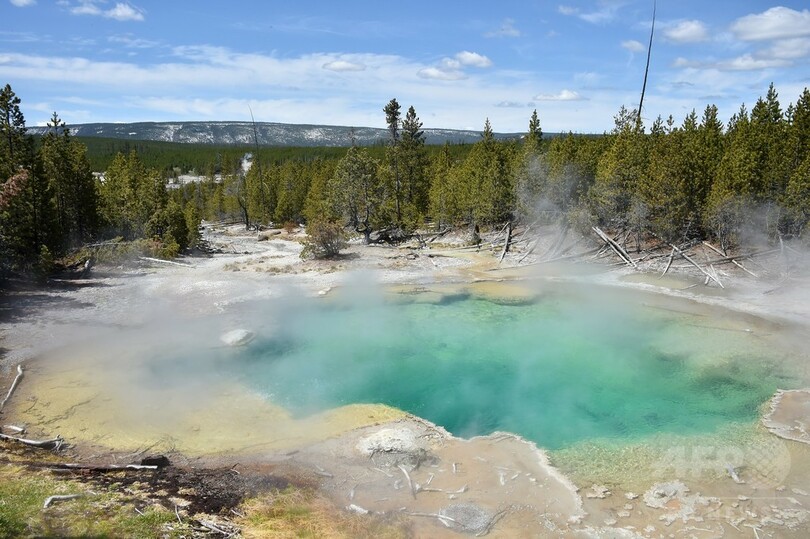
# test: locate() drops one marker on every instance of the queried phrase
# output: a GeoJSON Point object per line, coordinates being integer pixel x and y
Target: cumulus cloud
{"type": "Point", "coordinates": [473, 59]}
{"type": "Point", "coordinates": [507, 29]}
{"type": "Point", "coordinates": [776, 23]}
{"type": "Point", "coordinates": [687, 32]}
{"type": "Point", "coordinates": [633, 46]}
{"type": "Point", "coordinates": [452, 68]}
{"type": "Point", "coordinates": [23, 3]}
{"type": "Point", "coordinates": [343, 65]}
{"type": "Point", "coordinates": [563, 95]}
{"type": "Point", "coordinates": [122, 11]}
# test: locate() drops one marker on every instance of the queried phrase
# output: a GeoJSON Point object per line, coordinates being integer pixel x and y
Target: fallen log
{"type": "Point", "coordinates": [55, 444]}
{"type": "Point", "coordinates": [733, 260]}
{"type": "Point", "coordinates": [615, 246]}
{"type": "Point", "coordinates": [161, 261]}
{"type": "Point", "coordinates": [703, 271]}
{"type": "Point", "coordinates": [669, 263]}
{"type": "Point", "coordinates": [13, 386]}
{"type": "Point", "coordinates": [100, 468]}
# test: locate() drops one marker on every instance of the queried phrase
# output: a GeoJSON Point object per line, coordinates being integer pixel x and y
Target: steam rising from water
{"type": "Point", "coordinates": [572, 366]}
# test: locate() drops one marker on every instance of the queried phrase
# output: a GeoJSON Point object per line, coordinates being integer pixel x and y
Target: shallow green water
{"type": "Point", "coordinates": [558, 371]}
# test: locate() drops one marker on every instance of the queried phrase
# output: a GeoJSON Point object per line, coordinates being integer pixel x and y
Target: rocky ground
{"type": "Point", "coordinates": [383, 464]}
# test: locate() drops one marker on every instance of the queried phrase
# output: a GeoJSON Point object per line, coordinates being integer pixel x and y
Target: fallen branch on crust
{"type": "Point", "coordinates": [703, 271]}
{"type": "Point", "coordinates": [60, 498]}
{"type": "Point", "coordinates": [615, 246]}
{"type": "Point", "coordinates": [161, 261]}
{"type": "Point", "coordinates": [13, 386]}
{"type": "Point", "coordinates": [55, 444]}
{"type": "Point", "coordinates": [101, 468]}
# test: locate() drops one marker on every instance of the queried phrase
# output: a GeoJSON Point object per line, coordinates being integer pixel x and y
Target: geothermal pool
{"type": "Point", "coordinates": [568, 366]}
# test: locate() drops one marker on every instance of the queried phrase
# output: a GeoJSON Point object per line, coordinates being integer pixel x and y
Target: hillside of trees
{"type": "Point", "coordinates": [695, 178]}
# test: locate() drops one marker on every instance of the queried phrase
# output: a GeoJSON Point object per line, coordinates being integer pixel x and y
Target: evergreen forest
{"type": "Point", "coordinates": [679, 179]}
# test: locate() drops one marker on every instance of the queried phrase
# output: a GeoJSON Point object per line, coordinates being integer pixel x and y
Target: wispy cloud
{"type": "Point", "coordinates": [132, 42]}
{"type": "Point", "coordinates": [606, 12]}
{"type": "Point", "coordinates": [686, 32]}
{"type": "Point", "coordinates": [343, 66]}
{"type": "Point", "coordinates": [746, 62]}
{"type": "Point", "coordinates": [507, 29]}
{"type": "Point", "coordinates": [122, 11]}
{"type": "Point", "coordinates": [633, 46]}
{"type": "Point", "coordinates": [776, 23]}
{"type": "Point", "coordinates": [563, 95]}
{"type": "Point", "coordinates": [23, 3]}
{"type": "Point", "coordinates": [514, 104]}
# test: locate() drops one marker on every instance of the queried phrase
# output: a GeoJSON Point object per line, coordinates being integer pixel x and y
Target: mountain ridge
{"type": "Point", "coordinates": [269, 133]}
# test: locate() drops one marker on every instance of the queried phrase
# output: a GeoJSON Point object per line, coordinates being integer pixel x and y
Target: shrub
{"type": "Point", "coordinates": [324, 239]}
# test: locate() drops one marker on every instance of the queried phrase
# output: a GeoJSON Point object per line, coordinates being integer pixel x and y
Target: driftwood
{"type": "Point", "coordinates": [100, 468]}
{"type": "Point", "coordinates": [55, 444]}
{"type": "Point", "coordinates": [60, 498]}
{"type": "Point", "coordinates": [13, 428]}
{"type": "Point", "coordinates": [161, 261]}
{"type": "Point", "coordinates": [733, 260]}
{"type": "Point", "coordinates": [615, 246]}
{"type": "Point", "coordinates": [669, 263]}
{"type": "Point", "coordinates": [13, 386]}
{"type": "Point", "coordinates": [703, 271]}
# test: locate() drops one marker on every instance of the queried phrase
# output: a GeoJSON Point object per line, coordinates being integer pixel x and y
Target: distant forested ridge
{"type": "Point", "coordinates": [268, 133]}
{"type": "Point", "coordinates": [679, 180]}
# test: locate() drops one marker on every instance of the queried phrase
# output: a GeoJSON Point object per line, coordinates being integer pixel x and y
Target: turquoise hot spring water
{"type": "Point", "coordinates": [567, 367]}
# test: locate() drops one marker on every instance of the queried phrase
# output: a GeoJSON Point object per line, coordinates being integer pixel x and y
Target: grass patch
{"type": "Point", "coordinates": [294, 513]}
{"type": "Point", "coordinates": [98, 514]}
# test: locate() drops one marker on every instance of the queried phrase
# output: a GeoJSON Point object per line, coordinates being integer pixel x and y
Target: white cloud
{"type": "Point", "coordinates": [452, 68]}
{"type": "Point", "coordinates": [507, 29]}
{"type": "Point", "coordinates": [746, 62]}
{"type": "Point", "coordinates": [607, 12]}
{"type": "Point", "coordinates": [687, 32]}
{"type": "Point", "coordinates": [132, 42]}
{"type": "Point", "coordinates": [343, 65]}
{"type": "Point", "coordinates": [788, 49]}
{"type": "Point", "coordinates": [86, 7]}
{"type": "Point", "coordinates": [23, 3]}
{"type": "Point", "coordinates": [563, 95]}
{"type": "Point", "coordinates": [122, 11]}
{"type": "Point", "coordinates": [473, 59]}
{"type": "Point", "coordinates": [437, 73]}
{"type": "Point", "coordinates": [776, 23]}
{"type": "Point", "coordinates": [633, 46]}
{"type": "Point", "coordinates": [513, 105]}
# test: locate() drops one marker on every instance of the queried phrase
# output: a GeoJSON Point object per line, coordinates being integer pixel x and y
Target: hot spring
{"type": "Point", "coordinates": [565, 366]}
{"type": "Point", "coordinates": [561, 365]}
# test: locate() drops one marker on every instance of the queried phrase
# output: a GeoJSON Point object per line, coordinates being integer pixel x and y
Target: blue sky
{"type": "Point", "coordinates": [339, 63]}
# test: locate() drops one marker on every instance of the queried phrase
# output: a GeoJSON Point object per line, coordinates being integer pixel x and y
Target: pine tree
{"type": "Point", "coordinates": [392, 173]}
{"type": "Point", "coordinates": [355, 192]}
{"type": "Point", "coordinates": [413, 167]}
{"type": "Point", "coordinates": [16, 148]}
{"type": "Point", "coordinates": [65, 164]}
